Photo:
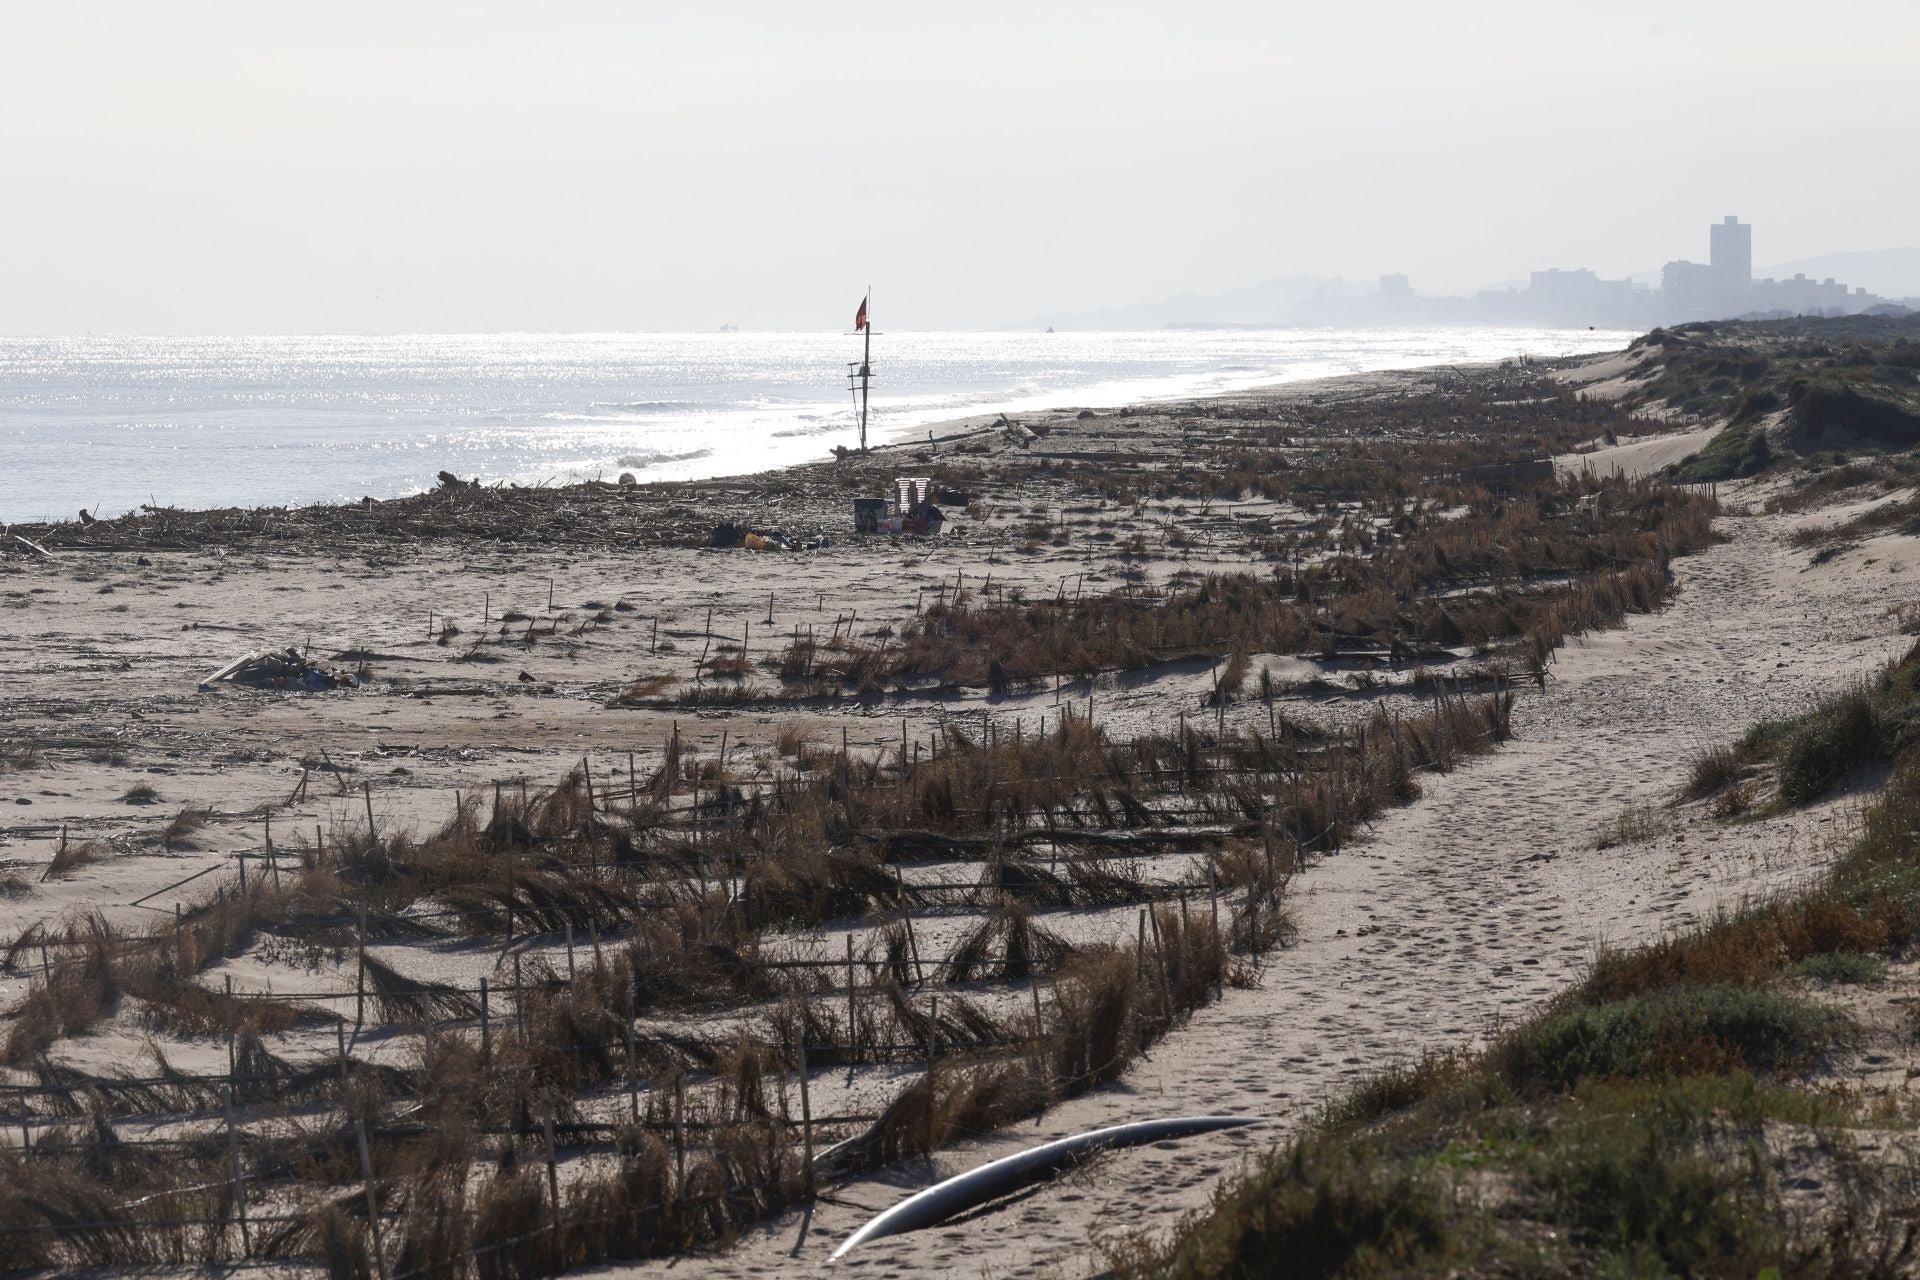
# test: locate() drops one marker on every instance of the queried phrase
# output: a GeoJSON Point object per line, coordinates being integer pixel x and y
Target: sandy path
{"type": "Point", "coordinates": [1462, 910]}
{"type": "Point", "coordinates": [1639, 457]}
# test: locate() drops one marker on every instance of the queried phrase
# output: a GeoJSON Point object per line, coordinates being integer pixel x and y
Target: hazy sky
{"type": "Point", "coordinates": [248, 167]}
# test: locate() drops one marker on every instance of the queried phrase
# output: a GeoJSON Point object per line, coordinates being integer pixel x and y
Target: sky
{"type": "Point", "coordinates": [415, 166]}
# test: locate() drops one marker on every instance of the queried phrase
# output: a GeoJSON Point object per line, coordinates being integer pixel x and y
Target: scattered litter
{"type": "Point", "coordinates": [286, 669]}
{"type": "Point", "coordinates": [910, 511]}
{"type": "Point", "coordinates": [729, 534]}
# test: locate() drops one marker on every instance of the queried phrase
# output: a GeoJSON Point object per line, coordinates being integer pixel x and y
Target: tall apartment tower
{"type": "Point", "coordinates": [1730, 263]}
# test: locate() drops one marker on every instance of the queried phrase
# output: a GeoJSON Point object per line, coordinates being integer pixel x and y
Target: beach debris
{"type": "Point", "coordinates": [910, 510]}
{"type": "Point", "coordinates": [33, 546]}
{"type": "Point", "coordinates": [285, 669]}
{"type": "Point", "coordinates": [728, 534]}
{"type": "Point", "coordinates": [448, 480]}
{"type": "Point", "coordinates": [1000, 1177]}
{"type": "Point", "coordinates": [230, 670]}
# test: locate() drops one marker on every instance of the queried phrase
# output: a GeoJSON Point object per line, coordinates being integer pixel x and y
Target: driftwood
{"type": "Point", "coordinates": [33, 546]}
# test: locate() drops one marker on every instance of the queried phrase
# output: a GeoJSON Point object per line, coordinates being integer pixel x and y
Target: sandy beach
{"type": "Point", "coordinates": [507, 639]}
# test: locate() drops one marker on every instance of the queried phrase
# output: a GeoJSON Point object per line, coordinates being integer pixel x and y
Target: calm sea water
{"type": "Point", "coordinates": [108, 423]}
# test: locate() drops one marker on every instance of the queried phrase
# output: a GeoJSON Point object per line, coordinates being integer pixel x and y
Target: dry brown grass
{"type": "Point", "coordinates": [179, 831]}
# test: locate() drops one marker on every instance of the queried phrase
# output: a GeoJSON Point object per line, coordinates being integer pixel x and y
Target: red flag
{"type": "Point", "coordinates": [860, 317]}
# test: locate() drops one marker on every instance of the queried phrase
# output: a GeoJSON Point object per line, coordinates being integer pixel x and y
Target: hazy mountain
{"type": "Point", "coordinates": [1891, 273]}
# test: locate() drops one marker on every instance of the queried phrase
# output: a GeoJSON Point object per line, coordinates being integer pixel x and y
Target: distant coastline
{"type": "Point", "coordinates": [107, 425]}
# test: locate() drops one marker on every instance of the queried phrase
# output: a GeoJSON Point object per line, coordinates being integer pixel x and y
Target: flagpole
{"type": "Point", "coordinates": [866, 370]}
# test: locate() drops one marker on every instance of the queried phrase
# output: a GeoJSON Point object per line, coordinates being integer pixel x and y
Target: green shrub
{"type": "Point", "coordinates": [1843, 735]}
{"type": "Point", "coordinates": [1319, 1211]}
{"type": "Point", "coordinates": [1642, 1188]}
{"type": "Point", "coordinates": [1850, 968]}
{"type": "Point", "coordinates": [1737, 452]}
{"type": "Point", "coordinates": [1682, 1031]}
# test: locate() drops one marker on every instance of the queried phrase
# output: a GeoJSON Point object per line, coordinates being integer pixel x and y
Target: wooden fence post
{"type": "Point", "coordinates": [373, 1200]}
{"type": "Point", "coordinates": [633, 1078]}
{"type": "Point", "coordinates": [553, 1189]}
{"type": "Point", "coordinates": [680, 1133]}
{"type": "Point", "coordinates": [486, 1024]}
{"type": "Point", "coordinates": [806, 1109]}
{"type": "Point", "coordinates": [239, 1178]}
{"type": "Point", "coordinates": [906, 908]}
{"type": "Point", "coordinates": [933, 1063]}
{"type": "Point", "coordinates": [853, 1008]}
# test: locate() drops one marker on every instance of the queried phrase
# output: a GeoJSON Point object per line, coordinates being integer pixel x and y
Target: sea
{"type": "Point", "coordinates": [107, 424]}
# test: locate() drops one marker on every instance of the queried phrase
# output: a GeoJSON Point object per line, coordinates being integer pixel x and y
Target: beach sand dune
{"type": "Point", "coordinates": [1461, 912]}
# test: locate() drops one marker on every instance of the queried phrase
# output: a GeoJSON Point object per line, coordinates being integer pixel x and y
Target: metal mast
{"type": "Point", "coordinates": [862, 372]}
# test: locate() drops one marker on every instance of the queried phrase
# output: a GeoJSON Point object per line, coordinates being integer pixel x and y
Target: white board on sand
{"type": "Point", "coordinates": [229, 669]}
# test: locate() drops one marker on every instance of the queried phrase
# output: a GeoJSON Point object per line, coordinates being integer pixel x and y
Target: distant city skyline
{"type": "Point", "coordinates": [1723, 287]}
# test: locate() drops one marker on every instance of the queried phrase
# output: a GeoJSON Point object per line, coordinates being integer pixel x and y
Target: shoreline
{"type": "Point", "coordinates": [141, 433]}
{"type": "Point", "coordinates": [946, 433]}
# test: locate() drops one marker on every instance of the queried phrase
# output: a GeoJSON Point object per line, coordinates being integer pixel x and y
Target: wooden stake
{"type": "Point", "coordinates": [486, 1023]}
{"type": "Point", "coordinates": [853, 1008]}
{"type": "Point", "coordinates": [233, 1058]}
{"type": "Point", "coordinates": [906, 910]}
{"type": "Point", "coordinates": [806, 1111]}
{"type": "Point", "coordinates": [373, 1199]}
{"type": "Point", "coordinates": [933, 1061]}
{"type": "Point", "coordinates": [633, 1078]}
{"type": "Point", "coordinates": [553, 1187]}
{"type": "Point", "coordinates": [239, 1178]}
{"type": "Point", "coordinates": [680, 1133]}
{"type": "Point", "coordinates": [1213, 906]}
